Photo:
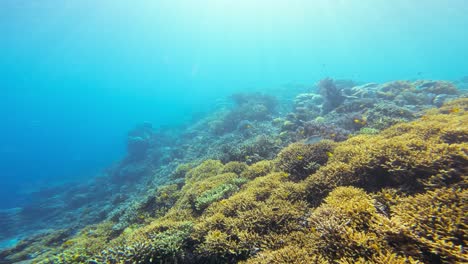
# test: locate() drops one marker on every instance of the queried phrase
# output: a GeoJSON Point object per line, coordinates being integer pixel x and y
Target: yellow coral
{"type": "Point", "coordinates": [420, 155]}
{"type": "Point", "coordinates": [300, 159]}
{"type": "Point", "coordinates": [437, 220]}
{"type": "Point", "coordinates": [395, 197]}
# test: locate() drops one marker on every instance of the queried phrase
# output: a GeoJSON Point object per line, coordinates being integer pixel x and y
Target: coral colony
{"type": "Point", "coordinates": [344, 173]}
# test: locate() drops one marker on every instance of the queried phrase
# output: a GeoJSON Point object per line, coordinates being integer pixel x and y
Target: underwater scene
{"type": "Point", "coordinates": [219, 131]}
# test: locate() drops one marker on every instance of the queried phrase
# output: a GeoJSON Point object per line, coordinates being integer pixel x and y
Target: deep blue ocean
{"type": "Point", "coordinates": [76, 76]}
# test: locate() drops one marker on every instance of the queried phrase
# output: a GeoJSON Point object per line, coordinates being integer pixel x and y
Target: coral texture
{"type": "Point", "coordinates": [391, 187]}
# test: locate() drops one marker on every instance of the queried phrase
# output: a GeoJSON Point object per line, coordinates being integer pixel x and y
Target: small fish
{"type": "Point", "coordinates": [300, 158]}
{"type": "Point", "coordinates": [313, 139]}
{"type": "Point", "coordinates": [360, 122]}
{"type": "Point", "coordinates": [329, 154]}
{"type": "Point", "coordinates": [454, 110]}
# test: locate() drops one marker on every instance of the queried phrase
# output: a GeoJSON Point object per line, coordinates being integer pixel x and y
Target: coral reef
{"type": "Point", "coordinates": [416, 156]}
{"type": "Point", "coordinates": [437, 222]}
{"type": "Point", "coordinates": [139, 141]}
{"type": "Point", "coordinates": [356, 174]}
{"type": "Point", "coordinates": [331, 95]}
{"type": "Point", "coordinates": [300, 160]}
{"type": "Point", "coordinates": [248, 107]}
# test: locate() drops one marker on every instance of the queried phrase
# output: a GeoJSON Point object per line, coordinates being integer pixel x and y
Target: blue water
{"type": "Point", "coordinates": [75, 76]}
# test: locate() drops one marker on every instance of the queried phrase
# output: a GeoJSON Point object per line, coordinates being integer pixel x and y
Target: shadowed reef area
{"type": "Point", "coordinates": [336, 173]}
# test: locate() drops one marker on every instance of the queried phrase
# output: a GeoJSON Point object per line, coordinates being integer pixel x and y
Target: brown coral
{"type": "Point", "coordinates": [416, 156]}
{"type": "Point", "coordinates": [437, 220]}
{"type": "Point", "coordinates": [300, 159]}
{"type": "Point", "coordinates": [395, 197]}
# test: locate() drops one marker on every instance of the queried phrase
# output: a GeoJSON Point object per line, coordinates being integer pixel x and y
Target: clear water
{"type": "Point", "coordinates": [75, 76]}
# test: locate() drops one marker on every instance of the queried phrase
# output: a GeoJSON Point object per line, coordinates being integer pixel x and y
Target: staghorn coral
{"type": "Point", "coordinates": [206, 183]}
{"type": "Point", "coordinates": [300, 159]}
{"type": "Point", "coordinates": [258, 169]}
{"type": "Point", "coordinates": [164, 240]}
{"type": "Point", "coordinates": [343, 225]}
{"type": "Point", "coordinates": [35, 246]}
{"type": "Point", "coordinates": [257, 148]}
{"type": "Point", "coordinates": [394, 197]}
{"type": "Point", "coordinates": [346, 228]}
{"type": "Point", "coordinates": [82, 246]}
{"type": "Point", "coordinates": [235, 167]}
{"type": "Point", "coordinates": [316, 130]}
{"type": "Point", "coordinates": [416, 156]}
{"type": "Point", "coordinates": [220, 192]}
{"type": "Point", "coordinates": [181, 170]}
{"type": "Point", "coordinates": [251, 219]}
{"type": "Point", "coordinates": [288, 254]}
{"type": "Point", "coordinates": [164, 199]}
{"type": "Point", "coordinates": [437, 221]}
{"type": "Point", "coordinates": [384, 115]}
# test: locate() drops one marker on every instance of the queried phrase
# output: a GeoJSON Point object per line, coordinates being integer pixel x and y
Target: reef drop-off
{"type": "Point", "coordinates": [348, 173]}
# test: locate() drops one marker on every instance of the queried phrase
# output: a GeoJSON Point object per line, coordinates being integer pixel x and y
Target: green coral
{"type": "Point", "coordinates": [152, 244]}
{"type": "Point", "coordinates": [368, 131]}
{"type": "Point", "coordinates": [222, 191]}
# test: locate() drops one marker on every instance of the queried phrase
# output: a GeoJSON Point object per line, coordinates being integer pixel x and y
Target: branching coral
{"type": "Point", "coordinates": [346, 228]}
{"type": "Point", "coordinates": [384, 115]}
{"type": "Point", "coordinates": [181, 170]}
{"type": "Point", "coordinates": [248, 107]}
{"type": "Point", "coordinates": [438, 222]}
{"type": "Point", "coordinates": [251, 219]}
{"type": "Point", "coordinates": [255, 149]}
{"type": "Point", "coordinates": [394, 197]}
{"type": "Point", "coordinates": [390, 90]}
{"type": "Point", "coordinates": [331, 94]}
{"type": "Point", "coordinates": [258, 169]}
{"type": "Point", "coordinates": [301, 160]}
{"type": "Point", "coordinates": [83, 246]}
{"type": "Point", "coordinates": [437, 87]}
{"type": "Point", "coordinates": [220, 192]}
{"type": "Point", "coordinates": [164, 240]}
{"type": "Point", "coordinates": [424, 154]}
